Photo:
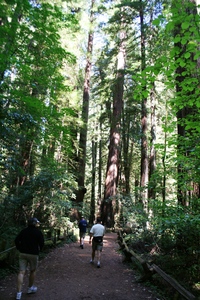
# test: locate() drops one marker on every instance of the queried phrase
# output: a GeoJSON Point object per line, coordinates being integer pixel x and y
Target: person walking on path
{"type": "Point", "coordinates": [29, 242]}
{"type": "Point", "coordinates": [82, 231]}
{"type": "Point", "coordinates": [96, 234]}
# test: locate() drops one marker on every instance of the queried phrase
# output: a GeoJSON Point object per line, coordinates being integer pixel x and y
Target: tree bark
{"type": "Point", "coordinates": [92, 202]}
{"type": "Point", "coordinates": [152, 162]}
{"type": "Point", "coordinates": [85, 108]}
{"type": "Point", "coordinates": [112, 174]}
{"type": "Point", "coordinates": [144, 142]}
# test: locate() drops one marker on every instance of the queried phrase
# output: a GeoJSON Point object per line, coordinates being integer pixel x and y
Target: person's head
{"type": "Point", "coordinates": [98, 220]}
{"type": "Point", "coordinates": [33, 222]}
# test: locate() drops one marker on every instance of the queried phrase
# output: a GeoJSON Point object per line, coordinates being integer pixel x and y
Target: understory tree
{"type": "Point", "coordinates": [35, 137]}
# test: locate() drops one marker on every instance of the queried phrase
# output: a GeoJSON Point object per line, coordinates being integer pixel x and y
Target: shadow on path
{"type": "Point", "coordinates": [66, 274]}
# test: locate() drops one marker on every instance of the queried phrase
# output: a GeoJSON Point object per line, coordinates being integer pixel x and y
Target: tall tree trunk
{"type": "Point", "coordinates": [144, 143]}
{"type": "Point", "coordinates": [112, 173]}
{"type": "Point", "coordinates": [127, 153]}
{"type": "Point", "coordinates": [85, 108]}
{"type": "Point", "coordinates": [164, 157]}
{"type": "Point", "coordinates": [92, 202]}
{"type": "Point", "coordinates": [152, 162]}
{"type": "Point", "coordinates": [100, 169]}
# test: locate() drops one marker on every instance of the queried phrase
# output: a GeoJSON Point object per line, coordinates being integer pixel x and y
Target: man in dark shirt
{"type": "Point", "coordinates": [82, 230]}
{"type": "Point", "coordinates": [29, 242]}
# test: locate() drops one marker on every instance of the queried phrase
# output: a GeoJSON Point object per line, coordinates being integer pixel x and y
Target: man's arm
{"type": "Point", "coordinates": [91, 235]}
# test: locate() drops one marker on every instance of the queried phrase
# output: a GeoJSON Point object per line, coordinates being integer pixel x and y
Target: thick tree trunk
{"type": "Point", "coordinates": [112, 174]}
{"type": "Point", "coordinates": [83, 134]}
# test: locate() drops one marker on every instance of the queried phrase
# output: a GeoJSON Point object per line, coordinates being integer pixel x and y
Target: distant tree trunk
{"type": "Point", "coordinates": [112, 173]}
{"type": "Point", "coordinates": [100, 170]}
{"type": "Point", "coordinates": [144, 143]}
{"type": "Point", "coordinates": [152, 165]}
{"type": "Point", "coordinates": [26, 152]}
{"type": "Point", "coordinates": [164, 158]}
{"type": "Point", "coordinates": [92, 202]}
{"type": "Point", "coordinates": [83, 134]}
{"type": "Point", "coordinates": [152, 160]}
{"type": "Point", "coordinates": [127, 153]}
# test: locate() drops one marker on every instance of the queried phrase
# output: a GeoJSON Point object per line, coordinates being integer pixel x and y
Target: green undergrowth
{"type": "Point", "coordinates": [172, 242]}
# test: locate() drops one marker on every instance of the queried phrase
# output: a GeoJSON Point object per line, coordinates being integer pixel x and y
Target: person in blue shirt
{"type": "Point", "coordinates": [82, 231]}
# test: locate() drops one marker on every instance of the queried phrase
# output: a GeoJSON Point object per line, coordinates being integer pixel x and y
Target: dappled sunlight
{"type": "Point", "coordinates": [66, 273]}
{"type": "Point", "coordinates": [107, 243]}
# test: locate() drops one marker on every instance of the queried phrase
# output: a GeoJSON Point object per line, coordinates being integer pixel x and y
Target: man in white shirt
{"type": "Point", "coordinates": [96, 234]}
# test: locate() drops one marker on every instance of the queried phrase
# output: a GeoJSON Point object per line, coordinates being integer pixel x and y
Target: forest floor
{"type": "Point", "coordinates": [66, 274]}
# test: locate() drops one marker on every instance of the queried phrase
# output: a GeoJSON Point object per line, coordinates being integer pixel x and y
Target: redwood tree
{"type": "Point", "coordinates": [144, 142]}
{"type": "Point", "coordinates": [112, 173]}
{"type": "Point", "coordinates": [81, 158]}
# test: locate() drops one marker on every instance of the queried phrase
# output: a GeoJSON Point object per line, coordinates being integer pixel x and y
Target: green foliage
{"type": "Point", "coordinates": [170, 240]}
{"type": "Point", "coordinates": [36, 123]}
{"type": "Point", "coordinates": [131, 215]}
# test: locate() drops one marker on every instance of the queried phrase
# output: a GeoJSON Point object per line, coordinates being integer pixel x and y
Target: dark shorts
{"type": "Point", "coordinates": [28, 259]}
{"type": "Point", "coordinates": [97, 246]}
{"type": "Point", "coordinates": [82, 234]}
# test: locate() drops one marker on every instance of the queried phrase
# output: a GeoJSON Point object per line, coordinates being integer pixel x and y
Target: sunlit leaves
{"type": "Point", "coordinates": [185, 25]}
{"type": "Point", "coordinates": [33, 119]}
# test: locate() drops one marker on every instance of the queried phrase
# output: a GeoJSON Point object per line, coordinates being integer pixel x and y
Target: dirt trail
{"type": "Point", "coordinates": [66, 274]}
